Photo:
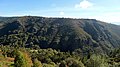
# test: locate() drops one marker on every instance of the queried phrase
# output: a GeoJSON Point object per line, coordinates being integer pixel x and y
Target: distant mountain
{"type": "Point", "coordinates": [117, 23]}
{"type": "Point", "coordinates": [65, 34]}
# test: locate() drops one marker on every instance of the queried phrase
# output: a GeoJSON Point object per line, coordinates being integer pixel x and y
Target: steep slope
{"type": "Point", "coordinates": [65, 34]}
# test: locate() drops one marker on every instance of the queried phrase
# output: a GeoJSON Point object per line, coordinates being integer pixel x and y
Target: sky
{"type": "Point", "coordinates": [104, 10]}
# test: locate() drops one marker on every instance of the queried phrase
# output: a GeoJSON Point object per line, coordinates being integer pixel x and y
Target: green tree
{"type": "Point", "coordinates": [37, 63]}
{"type": "Point", "coordinates": [71, 62]}
{"type": "Point", "coordinates": [97, 61]}
{"type": "Point", "coordinates": [63, 64]}
{"type": "Point", "coordinates": [20, 60]}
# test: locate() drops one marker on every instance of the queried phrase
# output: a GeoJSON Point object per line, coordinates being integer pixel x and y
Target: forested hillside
{"type": "Point", "coordinates": [31, 41]}
{"type": "Point", "coordinates": [65, 34]}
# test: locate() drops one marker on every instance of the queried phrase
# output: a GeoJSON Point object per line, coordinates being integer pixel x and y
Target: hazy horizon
{"type": "Point", "coordinates": [104, 10]}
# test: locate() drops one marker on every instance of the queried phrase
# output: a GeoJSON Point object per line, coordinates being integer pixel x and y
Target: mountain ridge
{"type": "Point", "coordinates": [65, 34]}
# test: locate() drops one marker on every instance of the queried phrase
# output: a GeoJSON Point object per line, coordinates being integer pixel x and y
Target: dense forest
{"type": "Point", "coordinates": [32, 41]}
{"type": "Point", "coordinates": [26, 57]}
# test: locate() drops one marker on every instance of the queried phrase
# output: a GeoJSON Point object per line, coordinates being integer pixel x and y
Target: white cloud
{"type": "Point", "coordinates": [110, 17]}
{"type": "Point", "coordinates": [106, 18]}
{"type": "Point", "coordinates": [62, 13]}
{"type": "Point", "coordinates": [84, 4]}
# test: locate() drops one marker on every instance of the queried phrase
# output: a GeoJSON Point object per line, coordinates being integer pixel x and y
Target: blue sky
{"type": "Point", "coordinates": [104, 10]}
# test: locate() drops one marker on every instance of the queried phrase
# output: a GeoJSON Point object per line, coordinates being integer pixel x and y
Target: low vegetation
{"type": "Point", "coordinates": [26, 57]}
